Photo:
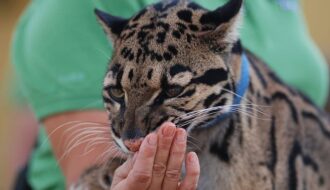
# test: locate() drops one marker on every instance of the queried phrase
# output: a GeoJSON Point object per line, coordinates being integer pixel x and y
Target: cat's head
{"type": "Point", "coordinates": [171, 61]}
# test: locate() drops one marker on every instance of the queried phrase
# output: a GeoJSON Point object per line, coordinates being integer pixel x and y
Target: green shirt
{"type": "Point", "coordinates": [60, 54]}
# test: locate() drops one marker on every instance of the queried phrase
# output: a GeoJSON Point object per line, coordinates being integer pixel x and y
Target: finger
{"type": "Point", "coordinates": [192, 172]}
{"type": "Point", "coordinates": [174, 164]}
{"type": "Point", "coordinates": [140, 176]}
{"type": "Point", "coordinates": [122, 171]}
{"type": "Point", "coordinates": [165, 137]}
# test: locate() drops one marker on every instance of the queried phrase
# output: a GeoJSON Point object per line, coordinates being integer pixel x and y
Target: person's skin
{"type": "Point", "coordinates": [157, 165]}
{"type": "Point", "coordinates": [161, 163]}
{"type": "Point", "coordinates": [23, 135]}
{"type": "Point", "coordinates": [76, 160]}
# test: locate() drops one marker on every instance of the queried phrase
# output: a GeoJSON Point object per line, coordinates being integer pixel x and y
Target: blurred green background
{"type": "Point", "coordinates": [13, 149]}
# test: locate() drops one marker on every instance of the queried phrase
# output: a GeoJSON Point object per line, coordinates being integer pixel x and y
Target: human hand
{"type": "Point", "coordinates": [157, 165]}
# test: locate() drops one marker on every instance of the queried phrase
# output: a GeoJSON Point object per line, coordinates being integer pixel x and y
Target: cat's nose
{"type": "Point", "coordinates": [133, 144]}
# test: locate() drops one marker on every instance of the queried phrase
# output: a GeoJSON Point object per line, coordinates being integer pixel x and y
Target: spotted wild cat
{"type": "Point", "coordinates": [176, 61]}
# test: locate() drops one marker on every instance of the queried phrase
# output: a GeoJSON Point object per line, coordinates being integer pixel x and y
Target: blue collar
{"type": "Point", "coordinates": [244, 81]}
{"type": "Point", "coordinates": [241, 88]}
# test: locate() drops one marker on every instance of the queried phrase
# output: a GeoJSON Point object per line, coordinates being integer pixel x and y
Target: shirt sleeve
{"type": "Point", "coordinates": [60, 54]}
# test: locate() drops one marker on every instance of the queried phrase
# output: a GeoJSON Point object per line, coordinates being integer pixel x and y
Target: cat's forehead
{"type": "Point", "coordinates": [159, 38]}
{"type": "Point", "coordinates": [135, 77]}
{"type": "Point", "coordinates": [159, 32]}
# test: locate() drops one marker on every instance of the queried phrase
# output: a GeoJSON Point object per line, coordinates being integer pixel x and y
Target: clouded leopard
{"type": "Point", "coordinates": [176, 61]}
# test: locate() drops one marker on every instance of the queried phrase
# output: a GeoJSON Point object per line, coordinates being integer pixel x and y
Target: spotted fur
{"type": "Point", "coordinates": [176, 61]}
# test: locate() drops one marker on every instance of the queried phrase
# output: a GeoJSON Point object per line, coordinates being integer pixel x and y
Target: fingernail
{"type": "Point", "coordinates": [192, 157]}
{"type": "Point", "coordinates": [168, 131]}
{"type": "Point", "coordinates": [181, 135]}
{"type": "Point", "coordinates": [152, 139]}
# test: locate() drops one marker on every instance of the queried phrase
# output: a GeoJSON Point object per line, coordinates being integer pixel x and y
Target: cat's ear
{"type": "Point", "coordinates": [222, 25]}
{"type": "Point", "coordinates": [112, 25]}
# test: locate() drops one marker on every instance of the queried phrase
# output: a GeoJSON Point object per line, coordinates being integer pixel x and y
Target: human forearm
{"type": "Point", "coordinates": [68, 135]}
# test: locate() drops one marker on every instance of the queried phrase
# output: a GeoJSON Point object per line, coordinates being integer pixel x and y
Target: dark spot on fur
{"type": "Point", "coordinates": [107, 100]}
{"type": "Point", "coordinates": [181, 27]}
{"type": "Point", "coordinates": [131, 56]}
{"type": "Point", "coordinates": [130, 75]}
{"type": "Point", "coordinates": [160, 99]}
{"type": "Point", "coordinates": [259, 74]}
{"type": "Point", "coordinates": [149, 26]}
{"type": "Point", "coordinates": [115, 130]}
{"type": "Point", "coordinates": [161, 37]}
{"type": "Point", "coordinates": [189, 93]}
{"type": "Point", "coordinates": [129, 35]}
{"type": "Point", "coordinates": [142, 35]}
{"type": "Point", "coordinates": [228, 87]}
{"type": "Point", "coordinates": [181, 109]}
{"type": "Point", "coordinates": [176, 34]}
{"type": "Point", "coordinates": [211, 99]}
{"type": "Point", "coordinates": [167, 56]}
{"type": "Point", "coordinates": [237, 48]}
{"type": "Point", "coordinates": [308, 161]}
{"type": "Point", "coordinates": [212, 77]}
{"type": "Point", "coordinates": [159, 57]}
{"type": "Point", "coordinates": [177, 68]}
{"type": "Point", "coordinates": [107, 180]}
{"type": "Point", "coordinates": [138, 55]}
{"type": "Point", "coordinates": [267, 100]}
{"type": "Point", "coordinates": [185, 15]}
{"type": "Point", "coordinates": [115, 68]}
{"type": "Point", "coordinates": [207, 28]}
{"type": "Point", "coordinates": [292, 168]}
{"type": "Point", "coordinates": [163, 15]}
{"type": "Point", "coordinates": [153, 56]}
{"type": "Point", "coordinates": [119, 77]}
{"type": "Point", "coordinates": [172, 49]}
{"type": "Point", "coordinates": [251, 88]}
{"type": "Point", "coordinates": [193, 27]}
{"type": "Point", "coordinates": [284, 97]}
{"type": "Point", "coordinates": [124, 52]}
{"type": "Point", "coordinates": [188, 38]}
{"type": "Point", "coordinates": [222, 150]}
{"type": "Point", "coordinates": [316, 119]}
{"type": "Point", "coordinates": [150, 73]}
{"type": "Point", "coordinates": [221, 103]}
{"type": "Point", "coordinates": [165, 26]}
{"type": "Point", "coordinates": [273, 150]}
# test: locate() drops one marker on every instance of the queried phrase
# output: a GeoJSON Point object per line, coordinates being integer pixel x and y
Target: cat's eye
{"type": "Point", "coordinates": [116, 93]}
{"type": "Point", "coordinates": [174, 91]}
